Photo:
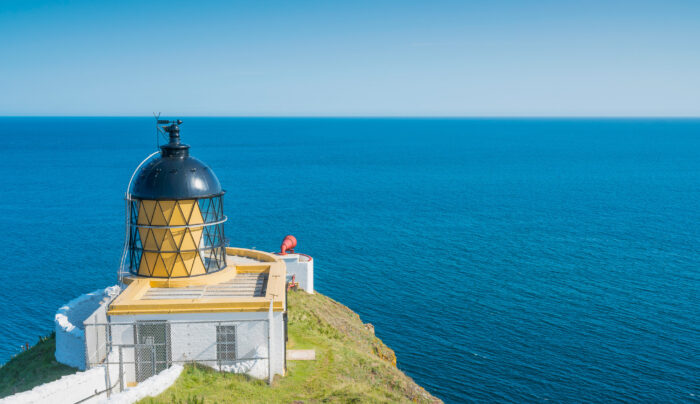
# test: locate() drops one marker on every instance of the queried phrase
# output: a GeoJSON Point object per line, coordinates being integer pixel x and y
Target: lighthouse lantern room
{"type": "Point", "coordinates": [176, 215]}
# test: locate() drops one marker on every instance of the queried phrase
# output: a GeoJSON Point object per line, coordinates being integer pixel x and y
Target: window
{"type": "Point", "coordinates": [225, 343]}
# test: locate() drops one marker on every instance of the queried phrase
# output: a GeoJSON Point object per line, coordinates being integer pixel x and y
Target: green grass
{"type": "Point", "coordinates": [32, 367]}
{"type": "Point", "coordinates": [351, 366]}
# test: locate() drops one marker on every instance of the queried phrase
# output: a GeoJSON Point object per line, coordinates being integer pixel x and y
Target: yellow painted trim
{"type": "Point", "coordinates": [252, 269]}
{"type": "Point", "coordinates": [129, 302]}
{"type": "Point", "coordinates": [174, 306]}
{"type": "Point", "coordinates": [255, 254]}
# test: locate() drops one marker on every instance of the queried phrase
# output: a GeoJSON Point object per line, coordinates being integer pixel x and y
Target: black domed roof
{"type": "Point", "coordinates": [175, 174]}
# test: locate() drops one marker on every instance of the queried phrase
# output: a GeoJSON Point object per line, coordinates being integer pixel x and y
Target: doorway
{"type": "Point", "coordinates": [152, 350]}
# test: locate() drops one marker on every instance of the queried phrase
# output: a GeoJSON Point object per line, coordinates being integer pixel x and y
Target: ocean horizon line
{"type": "Point", "coordinates": [464, 117]}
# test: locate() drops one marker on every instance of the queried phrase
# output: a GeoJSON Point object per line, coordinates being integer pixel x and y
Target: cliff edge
{"type": "Point", "coordinates": [352, 365]}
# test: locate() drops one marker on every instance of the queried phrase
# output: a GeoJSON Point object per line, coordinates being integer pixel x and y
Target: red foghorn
{"type": "Point", "coordinates": [288, 244]}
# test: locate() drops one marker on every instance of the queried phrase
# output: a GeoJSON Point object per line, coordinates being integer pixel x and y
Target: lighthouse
{"type": "Point", "coordinates": [184, 295]}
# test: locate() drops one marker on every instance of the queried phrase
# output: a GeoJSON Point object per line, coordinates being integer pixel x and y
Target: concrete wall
{"type": "Point", "coordinates": [84, 385]}
{"type": "Point", "coordinates": [197, 341]}
{"type": "Point", "coordinates": [70, 331]}
{"type": "Point", "coordinates": [302, 268]}
{"type": "Point", "coordinates": [96, 344]}
{"type": "Point", "coordinates": [278, 344]}
{"type": "Point", "coordinates": [68, 389]}
{"type": "Point", "coordinates": [123, 335]}
{"type": "Point", "coordinates": [150, 387]}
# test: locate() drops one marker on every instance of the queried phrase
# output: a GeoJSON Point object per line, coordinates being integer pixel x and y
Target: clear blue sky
{"type": "Point", "coordinates": [462, 58]}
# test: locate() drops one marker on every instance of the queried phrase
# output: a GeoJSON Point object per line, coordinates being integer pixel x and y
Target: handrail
{"type": "Point", "coordinates": [211, 247]}
{"type": "Point", "coordinates": [127, 220]}
{"type": "Point", "coordinates": [307, 256]}
{"type": "Point", "coordinates": [184, 226]}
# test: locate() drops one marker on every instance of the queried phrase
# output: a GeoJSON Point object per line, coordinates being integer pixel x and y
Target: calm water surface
{"type": "Point", "coordinates": [503, 260]}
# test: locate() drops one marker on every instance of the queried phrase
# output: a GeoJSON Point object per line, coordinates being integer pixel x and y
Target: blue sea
{"type": "Point", "coordinates": [504, 260]}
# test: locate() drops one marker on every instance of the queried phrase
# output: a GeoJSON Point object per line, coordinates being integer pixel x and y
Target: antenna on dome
{"type": "Point", "coordinates": [159, 131]}
{"type": "Point", "coordinates": [168, 131]}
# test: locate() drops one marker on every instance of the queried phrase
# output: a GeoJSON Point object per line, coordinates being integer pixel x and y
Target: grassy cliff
{"type": "Point", "coordinates": [32, 367]}
{"type": "Point", "coordinates": [352, 365]}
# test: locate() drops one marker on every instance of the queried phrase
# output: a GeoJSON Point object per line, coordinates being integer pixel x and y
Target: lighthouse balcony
{"type": "Point", "coordinates": [251, 280]}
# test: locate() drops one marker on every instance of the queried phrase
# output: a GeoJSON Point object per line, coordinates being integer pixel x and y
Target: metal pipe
{"type": "Point", "coordinates": [269, 343]}
{"type": "Point", "coordinates": [218, 325]}
{"type": "Point", "coordinates": [97, 340]}
{"type": "Point", "coordinates": [183, 226]}
{"type": "Point", "coordinates": [109, 382]}
{"type": "Point", "coordinates": [153, 359]}
{"type": "Point", "coordinates": [128, 218]}
{"type": "Point", "coordinates": [213, 247]}
{"type": "Point", "coordinates": [121, 370]}
{"type": "Point", "coordinates": [232, 322]}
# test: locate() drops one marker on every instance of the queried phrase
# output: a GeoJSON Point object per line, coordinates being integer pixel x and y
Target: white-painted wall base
{"type": "Point", "coordinates": [70, 332]}
{"type": "Point", "coordinates": [150, 387]}
{"type": "Point", "coordinates": [68, 389]}
{"type": "Point", "coordinates": [300, 266]}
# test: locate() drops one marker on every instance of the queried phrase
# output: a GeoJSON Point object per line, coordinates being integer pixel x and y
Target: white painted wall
{"type": "Point", "coordinates": [83, 385]}
{"type": "Point", "coordinates": [278, 344]}
{"type": "Point", "coordinates": [70, 331]}
{"type": "Point", "coordinates": [123, 335]}
{"type": "Point", "coordinates": [150, 387]}
{"type": "Point", "coordinates": [302, 268]}
{"type": "Point", "coordinates": [68, 389]}
{"type": "Point", "coordinates": [197, 341]}
{"type": "Point", "coordinates": [96, 344]}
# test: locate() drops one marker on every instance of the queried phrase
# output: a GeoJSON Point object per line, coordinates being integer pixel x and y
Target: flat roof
{"type": "Point", "coordinates": [295, 256]}
{"type": "Point", "coordinates": [241, 285]}
{"type": "Point", "coordinates": [251, 279]}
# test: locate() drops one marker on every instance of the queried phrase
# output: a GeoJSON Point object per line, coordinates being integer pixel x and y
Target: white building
{"type": "Point", "coordinates": [232, 320]}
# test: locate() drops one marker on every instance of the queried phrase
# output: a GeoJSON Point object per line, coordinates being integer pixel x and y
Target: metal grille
{"type": "Point", "coordinates": [152, 348]}
{"type": "Point", "coordinates": [225, 344]}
